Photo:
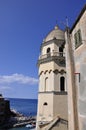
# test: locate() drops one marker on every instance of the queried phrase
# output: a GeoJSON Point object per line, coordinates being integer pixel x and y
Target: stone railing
{"type": "Point", "coordinates": [52, 54]}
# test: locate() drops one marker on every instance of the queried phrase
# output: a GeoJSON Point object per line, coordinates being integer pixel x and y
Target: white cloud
{"type": "Point", "coordinates": [5, 88]}
{"type": "Point", "coordinates": [18, 78]}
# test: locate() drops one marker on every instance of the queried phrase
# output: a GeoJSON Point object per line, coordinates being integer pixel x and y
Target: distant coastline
{"type": "Point", "coordinates": [27, 107]}
{"type": "Point", "coordinates": [17, 120]}
{"type": "Point", "coordinates": [25, 111]}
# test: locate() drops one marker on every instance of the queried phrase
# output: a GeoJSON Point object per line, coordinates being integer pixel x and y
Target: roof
{"type": "Point", "coordinates": [56, 33]}
{"type": "Point", "coordinates": [78, 18]}
{"type": "Point", "coordinates": [54, 122]}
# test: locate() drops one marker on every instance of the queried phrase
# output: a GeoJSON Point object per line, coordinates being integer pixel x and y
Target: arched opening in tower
{"type": "Point", "coordinates": [62, 83]}
{"type": "Point", "coordinates": [61, 51]}
{"type": "Point", "coordinates": [48, 50]}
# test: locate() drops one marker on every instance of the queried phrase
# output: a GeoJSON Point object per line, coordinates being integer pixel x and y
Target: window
{"type": "Point", "coordinates": [45, 104]}
{"type": "Point", "coordinates": [48, 50]}
{"type": "Point", "coordinates": [79, 36]}
{"type": "Point", "coordinates": [62, 83]}
{"type": "Point", "coordinates": [78, 39]}
{"type": "Point", "coordinates": [75, 36]}
{"type": "Point", "coordinates": [60, 51]}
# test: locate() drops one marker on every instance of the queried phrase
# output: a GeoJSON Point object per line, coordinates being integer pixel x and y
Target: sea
{"type": "Point", "coordinates": [27, 107]}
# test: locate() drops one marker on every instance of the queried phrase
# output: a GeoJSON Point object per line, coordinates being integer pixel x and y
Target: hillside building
{"type": "Point", "coordinates": [4, 110]}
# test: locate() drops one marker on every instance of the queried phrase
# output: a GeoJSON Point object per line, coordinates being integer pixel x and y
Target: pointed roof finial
{"type": "Point", "coordinates": [56, 27]}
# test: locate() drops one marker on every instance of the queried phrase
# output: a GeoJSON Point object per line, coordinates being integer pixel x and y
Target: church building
{"type": "Point", "coordinates": [53, 110]}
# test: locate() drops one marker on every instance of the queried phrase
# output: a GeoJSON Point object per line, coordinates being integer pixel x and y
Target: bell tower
{"type": "Point", "coordinates": [52, 96]}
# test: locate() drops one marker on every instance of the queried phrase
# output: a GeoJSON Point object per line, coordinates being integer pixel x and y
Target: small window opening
{"type": "Point", "coordinates": [48, 50]}
{"type": "Point", "coordinates": [45, 104]}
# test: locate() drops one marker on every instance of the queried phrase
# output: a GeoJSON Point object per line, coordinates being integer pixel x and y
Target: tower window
{"type": "Point", "coordinates": [45, 104]}
{"type": "Point", "coordinates": [60, 51]}
{"type": "Point", "coordinates": [48, 50]}
{"type": "Point", "coordinates": [62, 83]}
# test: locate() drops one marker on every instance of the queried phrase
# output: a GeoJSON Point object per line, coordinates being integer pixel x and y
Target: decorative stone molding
{"type": "Point", "coordinates": [57, 59]}
{"type": "Point", "coordinates": [56, 71]}
{"type": "Point", "coordinates": [45, 71]}
{"type": "Point", "coordinates": [54, 92]}
{"type": "Point", "coordinates": [50, 71]}
{"type": "Point", "coordinates": [62, 71]}
{"type": "Point", "coordinates": [41, 73]}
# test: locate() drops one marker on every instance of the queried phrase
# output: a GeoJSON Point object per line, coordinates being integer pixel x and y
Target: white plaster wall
{"type": "Point", "coordinates": [41, 82]}
{"type": "Point", "coordinates": [80, 62]}
{"type": "Point", "coordinates": [50, 83]}
{"type": "Point", "coordinates": [46, 66]}
{"type": "Point", "coordinates": [53, 79]}
{"type": "Point", "coordinates": [45, 113]}
{"type": "Point", "coordinates": [82, 92]}
{"type": "Point", "coordinates": [56, 82]}
{"type": "Point", "coordinates": [60, 106]}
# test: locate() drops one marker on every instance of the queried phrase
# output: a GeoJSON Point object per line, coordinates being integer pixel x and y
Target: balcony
{"type": "Point", "coordinates": [52, 54]}
{"type": "Point", "coordinates": [58, 57]}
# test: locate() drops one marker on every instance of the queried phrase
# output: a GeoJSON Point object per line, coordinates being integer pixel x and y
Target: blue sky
{"type": "Point", "coordinates": [23, 26]}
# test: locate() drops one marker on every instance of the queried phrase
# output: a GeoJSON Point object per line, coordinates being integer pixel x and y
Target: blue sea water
{"type": "Point", "coordinates": [27, 107]}
{"type": "Point", "coordinates": [21, 128]}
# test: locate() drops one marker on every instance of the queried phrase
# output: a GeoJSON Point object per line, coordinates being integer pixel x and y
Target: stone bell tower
{"type": "Point", "coordinates": [52, 96]}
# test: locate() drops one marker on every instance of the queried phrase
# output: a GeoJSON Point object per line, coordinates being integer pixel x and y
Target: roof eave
{"type": "Point", "coordinates": [78, 18]}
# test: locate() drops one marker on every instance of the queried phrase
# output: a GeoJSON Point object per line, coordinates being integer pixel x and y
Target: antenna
{"type": "Point", "coordinates": [56, 21]}
{"type": "Point", "coordinates": [67, 25]}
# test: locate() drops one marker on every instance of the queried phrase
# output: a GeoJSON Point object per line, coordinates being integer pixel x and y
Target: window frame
{"type": "Point", "coordinates": [78, 38]}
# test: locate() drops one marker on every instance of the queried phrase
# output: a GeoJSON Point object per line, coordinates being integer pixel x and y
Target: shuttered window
{"type": "Point", "coordinates": [78, 38]}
